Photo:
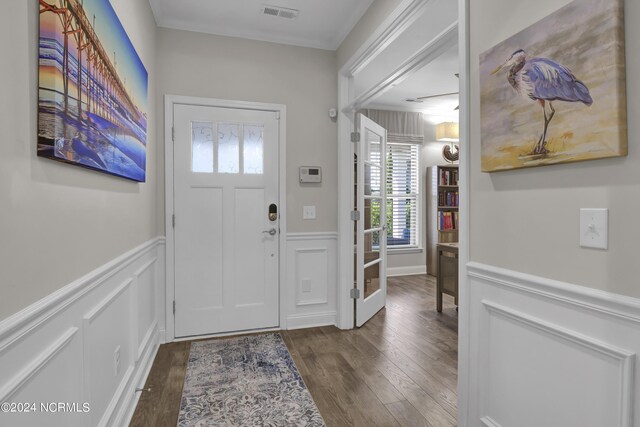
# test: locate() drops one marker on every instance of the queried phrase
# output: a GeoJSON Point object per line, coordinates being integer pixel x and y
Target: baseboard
{"type": "Point", "coordinates": [93, 341]}
{"type": "Point", "coordinates": [406, 271]}
{"type": "Point", "coordinates": [563, 342]}
{"type": "Point", "coordinates": [132, 397]}
{"type": "Point", "coordinates": [300, 321]}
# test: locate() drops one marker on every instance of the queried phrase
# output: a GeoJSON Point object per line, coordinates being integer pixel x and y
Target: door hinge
{"type": "Point", "coordinates": [174, 307]}
{"type": "Point", "coordinates": [173, 220]}
{"type": "Point", "coordinates": [277, 115]}
{"type": "Point", "coordinates": [355, 136]}
{"type": "Point", "coordinates": [355, 293]}
{"type": "Point", "coordinates": [173, 134]}
{"type": "Point", "coordinates": [355, 215]}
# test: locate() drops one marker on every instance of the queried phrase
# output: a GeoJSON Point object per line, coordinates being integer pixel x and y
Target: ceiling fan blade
{"type": "Point", "coordinates": [438, 96]}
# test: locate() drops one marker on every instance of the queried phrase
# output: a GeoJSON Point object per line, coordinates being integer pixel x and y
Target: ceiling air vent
{"type": "Point", "coordinates": [419, 101]}
{"type": "Point", "coordinates": [280, 12]}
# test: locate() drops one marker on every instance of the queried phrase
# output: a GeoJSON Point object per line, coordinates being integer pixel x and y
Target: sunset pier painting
{"type": "Point", "coordinates": [92, 95]}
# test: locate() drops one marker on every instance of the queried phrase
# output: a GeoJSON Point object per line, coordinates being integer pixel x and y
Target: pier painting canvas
{"type": "Point", "coordinates": [92, 95]}
{"type": "Point", "coordinates": [555, 92]}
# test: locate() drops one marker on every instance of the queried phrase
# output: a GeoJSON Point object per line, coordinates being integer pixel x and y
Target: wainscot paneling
{"type": "Point", "coordinates": [549, 353]}
{"type": "Point", "coordinates": [311, 279]}
{"type": "Point", "coordinates": [77, 356]}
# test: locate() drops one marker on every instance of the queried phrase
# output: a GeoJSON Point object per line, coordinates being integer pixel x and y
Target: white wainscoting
{"type": "Point", "coordinates": [311, 279]}
{"type": "Point", "coordinates": [63, 348]}
{"type": "Point", "coordinates": [548, 353]}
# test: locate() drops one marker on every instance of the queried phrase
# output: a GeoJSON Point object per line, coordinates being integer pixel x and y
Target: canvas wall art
{"type": "Point", "coordinates": [555, 92]}
{"type": "Point", "coordinates": [92, 97]}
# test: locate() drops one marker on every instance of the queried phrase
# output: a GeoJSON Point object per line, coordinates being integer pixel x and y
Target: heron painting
{"type": "Point", "coordinates": [555, 92]}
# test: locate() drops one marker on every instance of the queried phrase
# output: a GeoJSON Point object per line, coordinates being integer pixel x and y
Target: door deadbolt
{"type": "Point", "coordinates": [273, 212]}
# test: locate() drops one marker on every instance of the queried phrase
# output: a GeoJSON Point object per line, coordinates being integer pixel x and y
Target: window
{"type": "Point", "coordinates": [227, 148]}
{"type": "Point", "coordinates": [402, 195]}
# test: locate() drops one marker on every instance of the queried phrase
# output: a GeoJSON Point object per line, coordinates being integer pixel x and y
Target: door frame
{"type": "Point", "coordinates": [169, 102]}
{"type": "Point", "coordinates": [402, 17]}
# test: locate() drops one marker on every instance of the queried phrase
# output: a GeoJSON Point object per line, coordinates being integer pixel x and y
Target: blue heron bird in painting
{"type": "Point", "coordinates": [545, 81]}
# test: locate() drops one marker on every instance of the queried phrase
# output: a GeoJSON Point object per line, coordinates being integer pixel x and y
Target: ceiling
{"type": "Point", "coordinates": [435, 78]}
{"type": "Point", "coordinates": [320, 24]}
{"type": "Point", "coordinates": [324, 24]}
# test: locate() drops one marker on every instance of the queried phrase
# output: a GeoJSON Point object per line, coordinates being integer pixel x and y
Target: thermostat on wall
{"type": "Point", "coordinates": [310, 174]}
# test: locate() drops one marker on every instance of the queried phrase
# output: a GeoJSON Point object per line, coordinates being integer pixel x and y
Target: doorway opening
{"type": "Point", "coordinates": [414, 70]}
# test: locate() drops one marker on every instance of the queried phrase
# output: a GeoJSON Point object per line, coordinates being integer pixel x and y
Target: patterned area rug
{"type": "Point", "coordinates": [245, 381]}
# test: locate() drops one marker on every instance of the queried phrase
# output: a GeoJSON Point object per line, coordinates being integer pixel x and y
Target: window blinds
{"type": "Point", "coordinates": [402, 195]}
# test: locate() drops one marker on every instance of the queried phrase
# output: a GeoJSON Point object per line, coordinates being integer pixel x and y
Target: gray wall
{"type": "Point", "coordinates": [370, 21]}
{"type": "Point", "coordinates": [303, 79]}
{"type": "Point", "coordinates": [58, 222]}
{"type": "Point", "coordinates": [527, 220]}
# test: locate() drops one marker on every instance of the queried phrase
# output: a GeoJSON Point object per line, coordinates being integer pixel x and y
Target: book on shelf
{"type": "Point", "coordinates": [448, 199]}
{"type": "Point", "coordinates": [448, 177]}
{"type": "Point", "coordinates": [447, 221]}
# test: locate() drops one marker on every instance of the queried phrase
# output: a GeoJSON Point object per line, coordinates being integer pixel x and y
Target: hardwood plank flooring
{"type": "Point", "coordinates": [399, 369]}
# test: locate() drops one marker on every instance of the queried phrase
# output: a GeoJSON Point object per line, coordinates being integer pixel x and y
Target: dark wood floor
{"type": "Point", "coordinates": [399, 369]}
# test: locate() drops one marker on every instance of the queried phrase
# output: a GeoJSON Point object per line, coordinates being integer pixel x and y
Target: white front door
{"type": "Point", "coordinates": [226, 241]}
{"type": "Point", "coordinates": [371, 234]}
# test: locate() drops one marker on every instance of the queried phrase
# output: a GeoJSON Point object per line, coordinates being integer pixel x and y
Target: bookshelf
{"type": "Point", "coordinates": [443, 217]}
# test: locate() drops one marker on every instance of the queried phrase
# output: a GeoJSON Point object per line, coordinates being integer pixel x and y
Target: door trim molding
{"type": "Point", "coordinates": [432, 50]}
{"type": "Point", "coordinates": [169, 102]}
{"type": "Point", "coordinates": [464, 319]}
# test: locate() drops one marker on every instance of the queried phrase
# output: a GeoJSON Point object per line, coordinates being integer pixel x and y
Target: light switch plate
{"type": "Point", "coordinates": [309, 212]}
{"type": "Point", "coordinates": [594, 228]}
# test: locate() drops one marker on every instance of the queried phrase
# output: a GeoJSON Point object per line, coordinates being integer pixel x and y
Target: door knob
{"type": "Point", "coordinates": [271, 232]}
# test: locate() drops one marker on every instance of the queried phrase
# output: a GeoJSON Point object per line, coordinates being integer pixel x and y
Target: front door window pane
{"type": "Point", "coordinates": [228, 148]}
{"type": "Point", "coordinates": [253, 149]}
{"type": "Point", "coordinates": [202, 147]}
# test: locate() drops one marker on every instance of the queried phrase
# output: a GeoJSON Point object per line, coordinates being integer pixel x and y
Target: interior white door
{"type": "Point", "coordinates": [226, 243]}
{"type": "Point", "coordinates": [371, 234]}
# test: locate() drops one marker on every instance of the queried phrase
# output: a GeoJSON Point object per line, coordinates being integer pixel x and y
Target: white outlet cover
{"type": "Point", "coordinates": [309, 212]}
{"type": "Point", "coordinates": [594, 228]}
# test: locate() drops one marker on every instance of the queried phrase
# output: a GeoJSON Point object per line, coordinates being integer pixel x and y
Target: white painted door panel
{"type": "Point", "coordinates": [371, 236]}
{"type": "Point", "coordinates": [226, 176]}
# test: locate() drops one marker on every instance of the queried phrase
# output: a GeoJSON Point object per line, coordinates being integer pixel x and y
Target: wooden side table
{"type": "Point", "coordinates": [447, 282]}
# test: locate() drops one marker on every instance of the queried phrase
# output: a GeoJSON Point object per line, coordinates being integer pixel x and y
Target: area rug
{"type": "Point", "coordinates": [245, 381]}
